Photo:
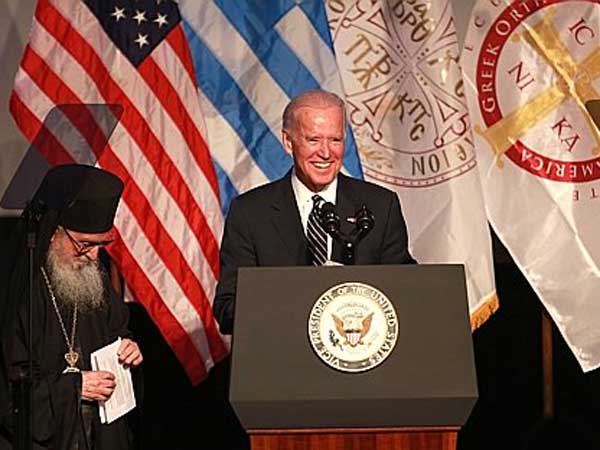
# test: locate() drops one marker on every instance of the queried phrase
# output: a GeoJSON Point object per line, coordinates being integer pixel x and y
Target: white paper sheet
{"type": "Point", "coordinates": [122, 399]}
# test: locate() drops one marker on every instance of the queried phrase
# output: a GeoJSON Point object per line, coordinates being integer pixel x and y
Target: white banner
{"type": "Point", "coordinates": [531, 66]}
{"type": "Point", "coordinates": [404, 90]}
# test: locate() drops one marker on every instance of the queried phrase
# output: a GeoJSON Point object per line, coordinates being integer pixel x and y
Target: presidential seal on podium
{"type": "Point", "coordinates": [353, 327]}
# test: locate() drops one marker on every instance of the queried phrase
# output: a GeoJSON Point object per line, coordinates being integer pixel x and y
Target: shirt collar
{"type": "Point", "coordinates": [304, 195]}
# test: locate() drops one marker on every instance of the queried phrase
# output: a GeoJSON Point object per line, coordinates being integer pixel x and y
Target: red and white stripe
{"type": "Point", "coordinates": [169, 222]}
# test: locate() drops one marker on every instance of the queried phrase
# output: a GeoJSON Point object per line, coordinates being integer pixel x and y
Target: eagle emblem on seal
{"type": "Point", "coordinates": [353, 327]}
{"type": "Point", "coordinates": [353, 330]}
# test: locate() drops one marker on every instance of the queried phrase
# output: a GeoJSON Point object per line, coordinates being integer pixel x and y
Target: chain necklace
{"type": "Point", "coordinates": [71, 356]}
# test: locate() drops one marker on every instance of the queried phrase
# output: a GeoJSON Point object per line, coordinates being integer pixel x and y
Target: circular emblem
{"type": "Point", "coordinates": [353, 327]}
{"type": "Point", "coordinates": [536, 67]}
{"type": "Point", "coordinates": [404, 90]}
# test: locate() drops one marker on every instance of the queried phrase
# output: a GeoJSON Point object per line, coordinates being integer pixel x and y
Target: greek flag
{"type": "Point", "coordinates": [394, 66]}
{"type": "Point", "coordinates": [250, 59]}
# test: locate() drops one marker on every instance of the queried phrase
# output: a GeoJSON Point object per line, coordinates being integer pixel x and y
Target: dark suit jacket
{"type": "Point", "coordinates": [263, 228]}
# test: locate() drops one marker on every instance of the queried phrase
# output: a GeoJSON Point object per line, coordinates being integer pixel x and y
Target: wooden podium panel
{"type": "Point", "coordinates": [406, 438]}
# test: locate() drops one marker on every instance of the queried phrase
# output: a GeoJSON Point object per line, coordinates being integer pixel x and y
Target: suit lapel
{"type": "Point", "coordinates": [287, 222]}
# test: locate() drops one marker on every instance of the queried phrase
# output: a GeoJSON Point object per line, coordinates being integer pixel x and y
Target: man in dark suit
{"type": "Point", "coordinates": [267, 225]}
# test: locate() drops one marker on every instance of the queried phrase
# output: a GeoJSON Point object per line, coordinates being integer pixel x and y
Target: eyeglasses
{"type": "Point", "coordinates": [84, 247]}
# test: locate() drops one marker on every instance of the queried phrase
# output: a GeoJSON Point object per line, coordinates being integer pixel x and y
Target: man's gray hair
{"type": "Point", "coordinates": [315, 99]}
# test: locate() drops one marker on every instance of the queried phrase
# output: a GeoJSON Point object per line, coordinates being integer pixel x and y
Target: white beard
{"type": "Point", "coordinates": [82, 286]}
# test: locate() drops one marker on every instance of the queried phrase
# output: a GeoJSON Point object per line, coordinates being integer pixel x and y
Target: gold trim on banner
{"type": "Point", "coordinates": [575, 82]}
{"type": "Point", "coordinates": [483, 313]}
{"type": "Point", "coordinates": [545, 40]}
{"type": "Point", "coordinates": [503, 134]}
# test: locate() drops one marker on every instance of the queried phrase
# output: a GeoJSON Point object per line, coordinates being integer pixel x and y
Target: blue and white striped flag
{"type": "Point", "coordinates": [251, 58]}
{"type": "Point", "coordinates": [396, 64]}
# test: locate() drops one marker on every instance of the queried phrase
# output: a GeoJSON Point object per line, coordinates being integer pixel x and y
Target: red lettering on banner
{"type": "Point", "coordinates": [571, 140]}
{"type": "Point", "coordinates": [522, 80]}
{"type": "Point", "coordinates": [580, 30]}
{"type": "Point", "coordinates": [499, 33]}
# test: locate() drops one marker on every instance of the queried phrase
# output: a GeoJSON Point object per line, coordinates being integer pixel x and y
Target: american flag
{"type": "Point", "coordinates": [134, 54]}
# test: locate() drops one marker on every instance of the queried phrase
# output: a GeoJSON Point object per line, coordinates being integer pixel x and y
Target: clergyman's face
{"type": "Point", "coordinates": [316, 142]}
{"type": "Point", "coordinates": [78, 249]}
{"type": "Point", "coordinates": [75, 274]}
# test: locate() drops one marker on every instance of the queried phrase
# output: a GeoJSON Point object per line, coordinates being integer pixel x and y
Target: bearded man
{"type": "Point", "coordinates": [74, 310]}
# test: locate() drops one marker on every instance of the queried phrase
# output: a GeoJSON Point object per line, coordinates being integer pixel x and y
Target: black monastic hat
{"type": "Point", "coordinates": [85, 197]}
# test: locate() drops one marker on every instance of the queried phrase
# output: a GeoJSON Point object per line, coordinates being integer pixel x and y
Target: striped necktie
{"type": "Point", "coordinates": [315, 234]}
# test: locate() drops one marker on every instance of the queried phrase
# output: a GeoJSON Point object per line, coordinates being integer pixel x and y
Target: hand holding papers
{"type": "Point", "coordinates": [122, 399]}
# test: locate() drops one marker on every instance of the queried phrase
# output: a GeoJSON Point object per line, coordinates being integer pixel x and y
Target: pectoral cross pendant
{"type": "Point", "coordinates": [71, 357]}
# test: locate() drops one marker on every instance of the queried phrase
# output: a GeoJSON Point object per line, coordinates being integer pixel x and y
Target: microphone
{"type": "Point", "coordinates": [329, 219]}
{"type": "Point", "coordinates": [34, 210]}
{"type": "Point", "coordinates": [39, 206]}
{"type": "Point", "coordinates": [365, 220]}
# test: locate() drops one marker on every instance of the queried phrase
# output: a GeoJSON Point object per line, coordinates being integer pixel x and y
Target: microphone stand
{"type": "Point", "coordinates": [330, 221]}
{"type": "Point", "coordinates": [23, 385]}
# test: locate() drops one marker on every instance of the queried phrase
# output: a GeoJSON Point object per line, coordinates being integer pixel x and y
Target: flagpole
{"type": "Point", "coordinates": [547, 366]}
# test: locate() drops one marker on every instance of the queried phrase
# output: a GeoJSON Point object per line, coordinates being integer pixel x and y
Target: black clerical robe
{"type": "Point", "coordinates": [62, 420]}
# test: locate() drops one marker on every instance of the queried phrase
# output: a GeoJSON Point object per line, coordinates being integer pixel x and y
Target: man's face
{"type": "Point", "coordinates": [72, 263]}
{"type": "Point", "coordinates": [316, 141]}
{"type": "Point", "coordinates": [78, 249]}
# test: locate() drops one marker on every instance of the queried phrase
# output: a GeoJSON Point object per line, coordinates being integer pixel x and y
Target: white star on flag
{"type": "Point", "coordinates": [140, 16]}
{"type": "Point", "coordinates": [160, 20]}
{"type": "Point", "coordinates": [119, 13]}
{"type": "Point", "coordinates": [142, 39]}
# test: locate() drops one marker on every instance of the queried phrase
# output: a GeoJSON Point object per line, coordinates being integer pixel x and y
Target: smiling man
{"type": "Point", "coordinates": [271, 225]}
{"type": "Point", "coordinates": [74, 311]}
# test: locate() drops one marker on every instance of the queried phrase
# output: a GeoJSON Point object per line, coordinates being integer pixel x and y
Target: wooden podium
{"type": "Point", "coordinates": [287, 398]}
{"type": "Point", "coordinates": [406, 438]}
